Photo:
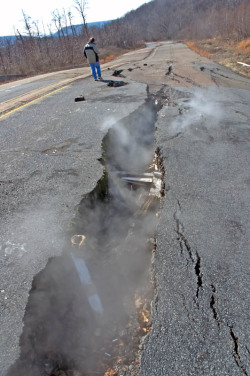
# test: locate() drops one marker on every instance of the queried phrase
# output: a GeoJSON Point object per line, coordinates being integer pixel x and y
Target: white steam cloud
{"type": "Point", "coordinates": [203, 107]}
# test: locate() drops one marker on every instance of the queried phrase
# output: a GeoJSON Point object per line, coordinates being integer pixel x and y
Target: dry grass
{"type": "Point", "coordinates": [107, 59]}
{"type": "Point", "coordinates": [225, 52]}
{"type": "Point", "coordinates": [140, 44]}
{"type": "Point", "coordinates": [244, 46]}
{"type": "Point", "coordinates": [108, 54]}
{"type": "Point", "coordinates": [199, 51]}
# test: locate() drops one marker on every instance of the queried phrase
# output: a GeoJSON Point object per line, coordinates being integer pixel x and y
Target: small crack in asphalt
{"type": "Point", "coordinates": [212, 305]}
{"type": "Point", "coordinates": [187, 79]}
{"type": "Point", "coordinates": [175, 136]}
{"type": "Point", "coordinates": [193, 256]}
{"type": "Point", "coordinates": [236, 354]}
{"type": "Point", "coordinates": [198, 274]}
{"type": "Point", "coordinates": [187, 246]}
{"type": "Point", "coordinates": [196, 260]}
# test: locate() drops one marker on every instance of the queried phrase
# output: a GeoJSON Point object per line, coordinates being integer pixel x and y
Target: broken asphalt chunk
{"type": "Point", "coordinates": [117, 72]}
{"type": "Point", "coordinates": [116, 83]}
{"type": "Point", "coordinates": [169, 70]}
{"type": "Point", "coordinates": [80, 98]}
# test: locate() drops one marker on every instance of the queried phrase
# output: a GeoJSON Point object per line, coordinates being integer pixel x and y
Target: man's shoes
{"type": "Point", "coordinates": [96, 79]}
{"type": "Point", "coordinates": [100, 78]}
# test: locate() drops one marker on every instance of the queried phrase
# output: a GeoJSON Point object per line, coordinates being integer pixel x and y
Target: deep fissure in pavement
{"type": "Point", "coordinates": [89, 307]}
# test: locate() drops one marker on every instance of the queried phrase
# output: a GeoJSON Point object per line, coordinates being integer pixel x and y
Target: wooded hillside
{"type": "Point", "coordinates": [188, 19]}
{"type": "Point", "coordinates": [157, 20]}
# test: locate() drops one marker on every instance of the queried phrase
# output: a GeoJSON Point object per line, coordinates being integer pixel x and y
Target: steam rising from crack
{"type": "Point", "coordinates": [203, 106]}
{"type": "Point", "coordinates": [131, 143]}
{"type": "Point", "coordinates": [85, 298]}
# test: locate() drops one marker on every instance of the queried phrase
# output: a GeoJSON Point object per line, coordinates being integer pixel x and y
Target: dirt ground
{"type": "Point", "coordinates": [225, 52]}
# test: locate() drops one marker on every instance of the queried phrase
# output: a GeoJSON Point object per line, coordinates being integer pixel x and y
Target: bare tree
{"type": "Point", "coordinates": [27, 22]}
{"type": "Point", "coordinates": [2, 62]}
{"type": "Point", "coordinates": [19, 38]}
{"type": "Point", "coordinates": [38, 36]}
{"type": "Point", "coordinates": [70, 17]}
{"type": "Point", "coordinates": [57, 19]}
{"type": "Point", "coordinates": [80, 6]}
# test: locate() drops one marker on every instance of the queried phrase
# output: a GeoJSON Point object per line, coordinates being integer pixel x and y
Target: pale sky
{"type": "Point", "coordinates": [97, 10]}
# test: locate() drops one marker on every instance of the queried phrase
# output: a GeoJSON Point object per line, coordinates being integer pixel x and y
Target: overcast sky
{"type": "Point", "coordinates": [97, 10]}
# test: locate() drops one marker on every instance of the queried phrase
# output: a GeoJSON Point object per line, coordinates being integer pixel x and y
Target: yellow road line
{"type": "Point", "coordinates": [21, 95]}
{"type": "Point", "coordinates": [34, 100]}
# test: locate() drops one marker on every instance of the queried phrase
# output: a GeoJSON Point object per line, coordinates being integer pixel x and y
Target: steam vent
{"type": "Point", "coordinates": [89, 309]}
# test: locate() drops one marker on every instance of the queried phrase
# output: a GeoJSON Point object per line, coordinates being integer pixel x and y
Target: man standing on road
{"type": "Point", "coordinates": [91, 53]}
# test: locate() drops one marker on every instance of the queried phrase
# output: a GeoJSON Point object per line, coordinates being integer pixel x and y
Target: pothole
{"type": "Point", "coordinates": [90, 307]}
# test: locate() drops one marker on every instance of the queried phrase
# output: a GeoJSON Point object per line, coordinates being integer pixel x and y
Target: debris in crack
{"type": "Point", "coordinates": [78, 240]}
{"type": "Point", "coordinates": [138, 179]}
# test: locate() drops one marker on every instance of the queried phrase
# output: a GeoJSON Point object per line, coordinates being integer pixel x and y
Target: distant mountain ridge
{"type": "Point", "coordinates": [7, 39]}
{"type": "Point", "coordinates": [10, 39]}
{"type": "Point", "coordinates": [78, 28]}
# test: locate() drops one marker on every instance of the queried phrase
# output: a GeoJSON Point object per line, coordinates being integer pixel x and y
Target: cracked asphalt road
{"type": "Point", "coordinates": [202, 263]}
{"type": "Point", "coordinates": [201, 311]}
{"type": "Point", "coordinates": [201, 308]}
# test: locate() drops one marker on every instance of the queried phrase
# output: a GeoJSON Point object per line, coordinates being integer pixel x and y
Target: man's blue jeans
{"type": "Point", "coordinates": [96, 67]}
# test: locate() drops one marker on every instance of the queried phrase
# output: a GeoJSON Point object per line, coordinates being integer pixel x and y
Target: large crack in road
{"type": "Point", "coordinates": [89, 307]}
